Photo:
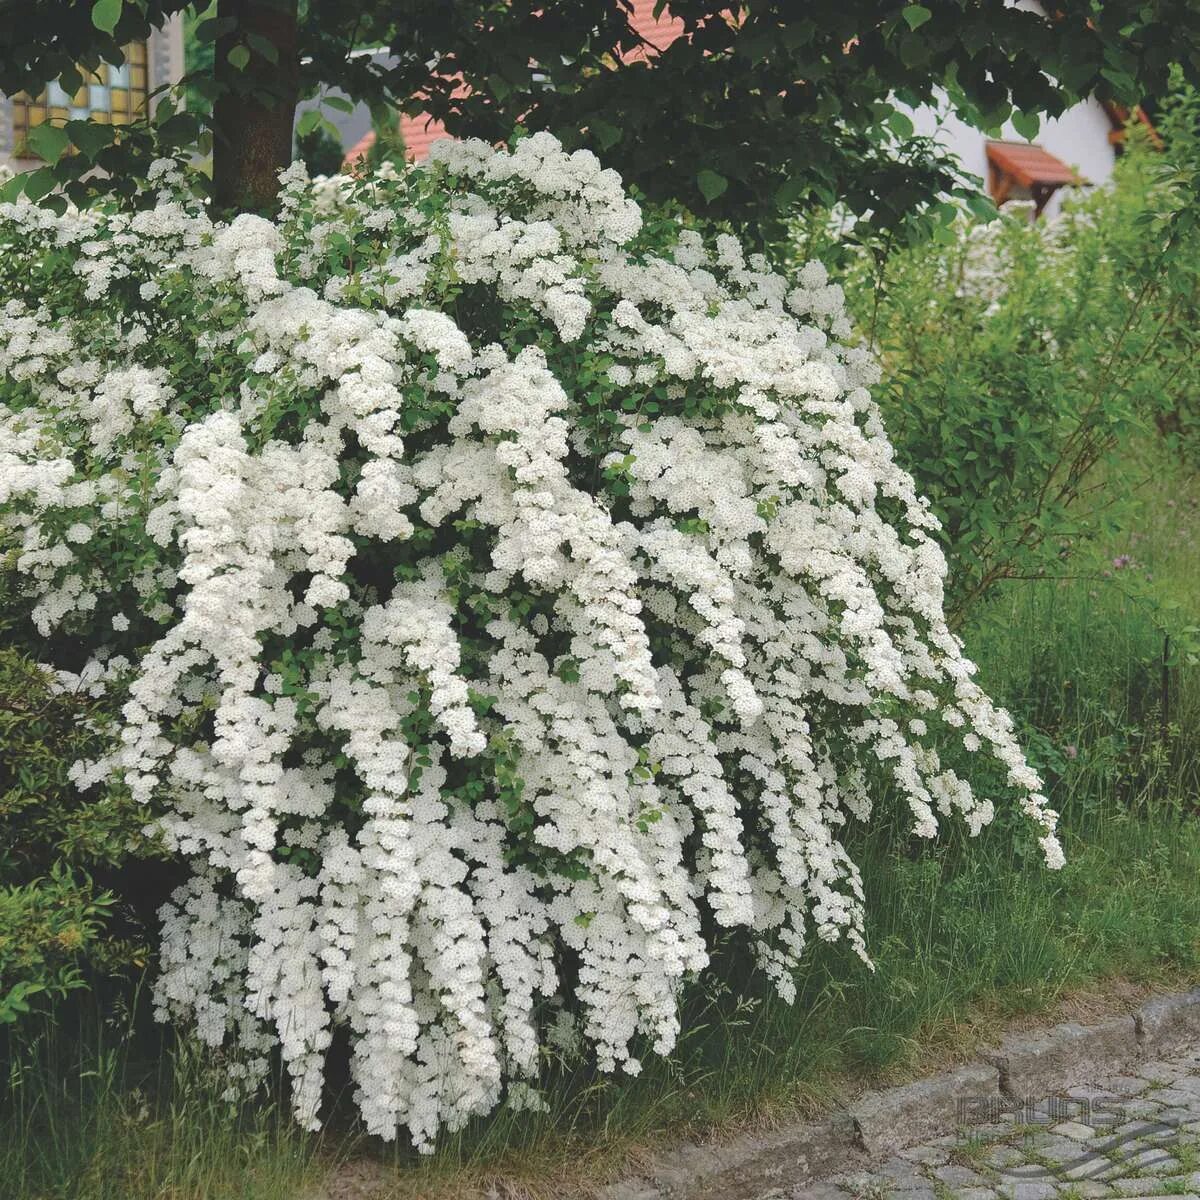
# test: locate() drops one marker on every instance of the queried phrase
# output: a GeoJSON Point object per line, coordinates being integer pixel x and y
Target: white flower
{"type": "Point", "coordinates": [524, 593]}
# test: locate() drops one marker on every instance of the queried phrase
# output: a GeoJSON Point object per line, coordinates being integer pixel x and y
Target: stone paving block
{"type": "Point", "coordinates": [1096, 1131]}
{"type": "Point", "coordinates": [1189, 1058]}
{"type": "Point", "coordinates": [1173, 1118]}
{"type": "Point", "coordinates": [1026, 1190]}
{"type": "Point", "coordinates": [1153, 1159]}
{"type": "Point", "coordinates": [1141, 1107]}
{"type": "Point", "coordinates": [933, 1156]}
{"type": "Point", "coordinates": [900, 1176]}
{"type": "Point", "coordinates": [1158, 1071]}
{"type": "Point", "coordinates": [1036, 1064]}
{"type": "Point", "coordinates": [887, 1120]}
{"type": "Point", "coordinates": [1074, 1130]}
{"type": "Point", "coordinates": [1169, 1020]}
{"type": "Point", "coordinates": [1056, 1150]}
{"type": "Point", "coordinates": [955, 1176]}
{"type": "Point", "coordinates": [745, 1168]}
{"type": "Point", "coordinates": [1127, 1187]}
{"type": "Point", "coordinates": [1173, 1097]}
{"type": "Point", "coordinates": [1122, 1085]}
{"type": "Point", "coordinates": [1146, 1185]}
{"type": "Point", "coordinates": [854, 1181]}
{"type": "Point", "coordinates": [1001, 1156]}
{"type": "Point", "coordinates": [1158, 1196]}
{"type": "Point", "coordinates": [1088, 1169]}
{"type": "Point", "coordinates": [1082, 1091]}
{"type": "Point", "coordinates": [819, 1191]}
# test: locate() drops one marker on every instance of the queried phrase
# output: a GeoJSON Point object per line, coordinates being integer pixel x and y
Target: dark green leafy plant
{"type": "Point", "coordinates": [320, 151]}
{"type": "Point", "coordinates": [747, 120]}
{"type": "Point", "coordinates": [58, 846]}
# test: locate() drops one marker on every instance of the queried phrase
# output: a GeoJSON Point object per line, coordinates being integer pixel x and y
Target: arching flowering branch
{"type": "Point", "coordinates": [512, 597]}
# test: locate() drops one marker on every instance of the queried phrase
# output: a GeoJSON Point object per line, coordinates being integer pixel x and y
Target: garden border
{"type": "Point", "coordinates": [877, 1123]}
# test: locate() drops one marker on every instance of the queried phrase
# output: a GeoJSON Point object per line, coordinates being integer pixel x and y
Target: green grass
{"type": "Point", "coordinates": [965, 934]}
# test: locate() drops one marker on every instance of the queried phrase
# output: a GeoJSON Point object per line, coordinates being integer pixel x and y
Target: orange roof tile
{"type": "Point", "coordinates": [659, 32]}
{"type": "Point", "coordinates": [1031, 165]}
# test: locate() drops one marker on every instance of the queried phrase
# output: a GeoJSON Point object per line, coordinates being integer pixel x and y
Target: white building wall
{"type": "Point", "coordinates": [1079, 137]}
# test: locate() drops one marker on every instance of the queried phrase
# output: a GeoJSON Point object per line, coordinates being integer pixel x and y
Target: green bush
{"type": "Point", "coordinates": [1023, 360]}
{"type": "Point", "coordinates": [57, 844]}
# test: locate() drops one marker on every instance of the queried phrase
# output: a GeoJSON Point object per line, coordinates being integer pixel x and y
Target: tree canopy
{"type": "Point", "coordinates": [756, 110]}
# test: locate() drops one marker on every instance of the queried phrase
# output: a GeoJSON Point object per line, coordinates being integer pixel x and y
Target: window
{"type": "Point", "coordinates": [112, 95]}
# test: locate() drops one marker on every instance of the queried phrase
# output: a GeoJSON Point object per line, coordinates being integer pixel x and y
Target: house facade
{"type": "Point", "coordinates": [114, 94]}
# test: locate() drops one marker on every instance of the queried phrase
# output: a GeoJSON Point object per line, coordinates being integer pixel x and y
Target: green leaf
{"type": "Point", "coordinates": [70, 81]}
{"type": "Point", "coordinates": [48, 142]}
{"type": "Point", "coordinates": [10, 190]}
{"type": "Point", "coordinates": [106, 14]}
{"type": "Point", "coordinates": [308, 122]}
{"type": "Point", "coordinates": [340, 103]}
{"type": "Point", "coordinates": [913, 50]}
{"type": "Point", "coordinates": [607, 134]}
{"type": "Point", "coordinates": [900, 123]}
{"type": "Point", "coordinates": [89, 137]}
{"type": "Point", "coordinates": [1123, 84]}
{"type": "Point", "coordinates": [264, 47]}
{"type": "Point", "coordinates": [1026, 124]}
{"type": "Point", "coordinates": [916, 15]}
{"type": "Point", "coordinates": [789, 191]}
{"type": "Point", "coordinates": [982, 207]}
{"type": "Point", "coordinates": [239, 58]}
{"type": "Point", "coordinates": [181, 130]}
{"type": "Point", "coordinates": [212, 28]}
{"type": "Point", "coordinates": [711, 184]}
{"type": "Point", "coordinates": [39, 183]}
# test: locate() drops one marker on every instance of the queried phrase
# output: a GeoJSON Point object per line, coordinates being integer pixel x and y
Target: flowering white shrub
{"type": "Point", "coordinates": [506, 594]}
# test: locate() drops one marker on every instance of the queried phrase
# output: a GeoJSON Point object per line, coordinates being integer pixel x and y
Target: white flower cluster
{"type": "Point", "coordinates": [511, 601]}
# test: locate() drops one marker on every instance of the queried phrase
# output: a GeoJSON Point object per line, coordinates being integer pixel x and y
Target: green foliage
{"type": "Point", "coordinates": [1022, 360]}
{"type": "Point", "coordinates": [56, 919]}
{"type": "Point", "coordinates": [792, 106]}
{"type": "Point", "coordinates": [102, 1105]}
{"type": "Point", "coordinates": [320, 151]}
{"type": "Point", "coordinates": [388, 145]}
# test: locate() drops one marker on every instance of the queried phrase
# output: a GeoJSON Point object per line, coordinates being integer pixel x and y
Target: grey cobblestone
{"type": "Point", "coordinates": [1108, 1112]}
{"type": "Point", "coordinates": [1122, 1085]}
{"type": "Point", "coordinates": [1118, 1137]}
{"type": "Point", "coordinates": [1027, 1189]}
{"type": "Point", "coordinates": [1075, 1131]}
{"type": "Point", "coordinates": [955, 1176]}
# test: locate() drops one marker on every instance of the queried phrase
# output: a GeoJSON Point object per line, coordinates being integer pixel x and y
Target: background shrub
{"type": "Point", "coordinates": [1024, 362]}
{"type": "Point", "coordinates": [61, 850]}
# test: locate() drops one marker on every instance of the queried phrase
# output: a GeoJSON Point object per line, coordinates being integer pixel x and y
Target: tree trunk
{"type": "Point", "coordinates": [254, 112]}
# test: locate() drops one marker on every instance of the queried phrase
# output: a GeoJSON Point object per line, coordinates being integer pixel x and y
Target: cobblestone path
{"type": "Point", "coordinates": [1131, 1135]}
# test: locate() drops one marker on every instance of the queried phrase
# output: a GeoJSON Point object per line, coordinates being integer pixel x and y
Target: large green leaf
{"type": "Point", "coordinates": [711, 184]}
{"type": "Point", "coordinates": [106, 14]}
{"type": "Point", "coordinates": [48, 142]}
